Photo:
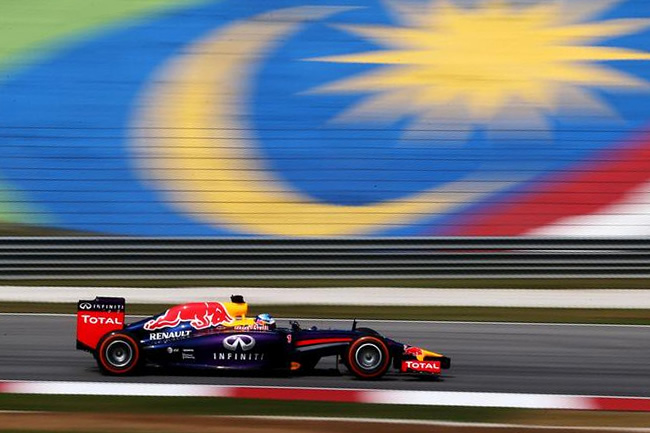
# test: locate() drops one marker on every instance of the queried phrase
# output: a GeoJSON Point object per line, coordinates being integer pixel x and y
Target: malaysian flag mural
{"type": "Point", "coordinates": [330, 118]}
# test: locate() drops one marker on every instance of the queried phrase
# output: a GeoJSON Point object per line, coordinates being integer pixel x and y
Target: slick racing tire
{"type": "Point", "coordinates": [368, 357]}
{"type": "Point", "coordinates": [118, 354]}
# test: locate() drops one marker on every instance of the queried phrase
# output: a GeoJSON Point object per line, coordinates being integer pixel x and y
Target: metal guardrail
{"type": "Point", "coordinates": [358, 258]}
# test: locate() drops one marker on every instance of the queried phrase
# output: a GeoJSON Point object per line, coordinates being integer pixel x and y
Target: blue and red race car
{"type": "Point", "coordinates": [219, 336]}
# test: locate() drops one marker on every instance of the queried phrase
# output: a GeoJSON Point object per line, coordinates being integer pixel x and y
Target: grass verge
{"type": "Point", "coordinates": [225, 407]}
{"type": "Point", "coordinates": [471, 314]}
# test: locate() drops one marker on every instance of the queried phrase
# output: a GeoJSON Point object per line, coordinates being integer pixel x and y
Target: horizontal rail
{"type": "Point", "coordinates": [357, 258]}
{"type": "Point", "coordinates": [439, 243]}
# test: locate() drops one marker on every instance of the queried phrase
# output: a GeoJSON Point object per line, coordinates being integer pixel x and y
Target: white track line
{"type": "Point", "coordinates": [361, 320]}
{"type": "Point", "coordinates": [375, 296]}
{"type": "Point", "coordinates": [437, 423]}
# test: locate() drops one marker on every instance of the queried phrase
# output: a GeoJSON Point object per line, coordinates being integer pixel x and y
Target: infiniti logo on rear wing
{"type": "Point", "coordinates": [102, 304]}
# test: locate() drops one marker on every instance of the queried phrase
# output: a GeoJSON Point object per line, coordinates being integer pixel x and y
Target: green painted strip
{"type": "Point", "coordinates": [30, 29]}
{"type": "Point", "coordinates": [15, 210]}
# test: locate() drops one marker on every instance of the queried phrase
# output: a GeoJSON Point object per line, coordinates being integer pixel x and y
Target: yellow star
{"type": "Point", "coordinates": [494, 66]}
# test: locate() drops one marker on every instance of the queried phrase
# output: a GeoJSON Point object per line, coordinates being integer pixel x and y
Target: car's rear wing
{"type": "Point", "coordinates": [97, 318]}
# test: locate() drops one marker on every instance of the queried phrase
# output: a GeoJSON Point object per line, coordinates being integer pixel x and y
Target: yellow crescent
{"type": "Point", "coordinates": [204, 149]}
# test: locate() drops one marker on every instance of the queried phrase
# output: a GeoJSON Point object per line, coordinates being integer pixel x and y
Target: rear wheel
{"type": "Point", "coordinates": [118, 354]}
{"type": "Point", "coordinates": [368, 357]}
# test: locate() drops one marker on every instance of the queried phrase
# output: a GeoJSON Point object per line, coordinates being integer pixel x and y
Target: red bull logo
{"type": "Point", "coordinates": [412, 350]}
{"type": "Point", "coordinates": [200, 315]}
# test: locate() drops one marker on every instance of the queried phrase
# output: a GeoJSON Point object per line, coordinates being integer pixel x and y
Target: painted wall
{"type": "Point", "coordinates": [330, 118]}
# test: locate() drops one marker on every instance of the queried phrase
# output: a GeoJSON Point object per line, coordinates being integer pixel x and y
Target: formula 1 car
{"type": "Point", "coordinates": [219, 336]}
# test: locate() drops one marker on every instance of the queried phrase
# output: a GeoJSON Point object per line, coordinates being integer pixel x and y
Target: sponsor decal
{"type": "Point", "coordinates": [239, 341]}
{"type": "Point", "coordinates": [87, 318]}
{"type": "Point", "coordinates": [412, 350]}
{"type": "Point", "coordinates": [200, 315]}
{"type": "Point", "coordinates": [238, 356]}
{"type": "Point", "coordinates": [254, 327]}
{"type": "Point", "coordinates": [421, 366]}
{"type": "Point", "coordinates": [169, 335]}
{"type": "Point", "coordinates": [100, 306]}
{"type": "Point", "coordinates": [93, 324]}
{"type": "Point", "coordinates": [239, 347]}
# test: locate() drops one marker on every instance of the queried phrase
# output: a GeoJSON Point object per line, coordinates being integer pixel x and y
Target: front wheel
{"type": "Point", "coordinates": [118, 354]}
{"type": "Point", "coordinates": [368, 357]}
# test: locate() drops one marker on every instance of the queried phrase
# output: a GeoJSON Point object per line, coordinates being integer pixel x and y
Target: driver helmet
{"type": "Point", "coordinates": [265, 319]}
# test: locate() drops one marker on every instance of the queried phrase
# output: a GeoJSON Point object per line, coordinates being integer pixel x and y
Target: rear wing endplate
{"type": "Point", "coordinates": [96, 318]}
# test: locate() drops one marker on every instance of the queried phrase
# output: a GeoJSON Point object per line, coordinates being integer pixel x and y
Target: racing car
{"type": "Point", "coordinates": [220, 336]}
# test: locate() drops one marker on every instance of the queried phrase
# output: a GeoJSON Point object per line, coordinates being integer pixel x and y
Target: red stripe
{"type": "Point", "coordinates": [334, 395]}
{"type": "Point", "coordinates": [322, 340]}
{"type": "Point", "coordinates": [621, 404]}
{"type": "Point", "coordinates": [5, 387]}
{"type": "Point", "coordinates": [588, 188]}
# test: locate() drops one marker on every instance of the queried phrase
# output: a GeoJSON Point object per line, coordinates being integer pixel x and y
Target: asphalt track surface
{"type": "Point", "coordinates": [550, 359]}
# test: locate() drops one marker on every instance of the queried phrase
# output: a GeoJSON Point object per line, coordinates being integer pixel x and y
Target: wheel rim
{"type": "Point", "coordinates": [368, 356]}
{"type": "Point", "coordinates": [119, 354]}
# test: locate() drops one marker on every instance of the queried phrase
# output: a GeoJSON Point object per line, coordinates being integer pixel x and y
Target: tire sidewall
{"type": "Point", "coordinates": [105, 366]}
{"type": "Point", "coordinates": [351, 357]}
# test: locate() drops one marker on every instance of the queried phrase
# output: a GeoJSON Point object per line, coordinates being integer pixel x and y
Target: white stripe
{"type": "Point", "coordinates": [476, 399]}
{"type": "Point", "coordinates": [390, 397]}
{"type": "Point", "coordinates": [629, 217]}
{"type": "Point", "coordinates": [353, 296]}
{"type": "Point", "coordinates": [115, 389]}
